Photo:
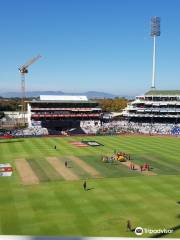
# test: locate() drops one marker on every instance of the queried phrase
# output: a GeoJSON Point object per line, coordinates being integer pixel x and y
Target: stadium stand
{"type": "Point", "coordinates": [155, 106]}
{"type": "Point", "coordinates": [31, 131]}
{"type": "Point", "coordinates": [117, 127]}
{"type": "Point", "coordinates": [90, 127]}
{"type": "Point", "coordinates": [175, 130]}
{"type": "Point", "coordinates": [63, 114]}
{"type": "Point", "coordinates": [155, 112]}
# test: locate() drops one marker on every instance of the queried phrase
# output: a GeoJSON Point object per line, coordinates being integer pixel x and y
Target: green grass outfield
{"type": "Point", "coordinates": [59, 207]}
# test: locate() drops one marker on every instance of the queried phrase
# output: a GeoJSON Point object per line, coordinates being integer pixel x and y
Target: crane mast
{"type": "Point", "coordinates": [23, 71]}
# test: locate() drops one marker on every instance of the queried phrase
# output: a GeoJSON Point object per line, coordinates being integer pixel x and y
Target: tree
{"type": "Point", "coordinates": [112, 105]}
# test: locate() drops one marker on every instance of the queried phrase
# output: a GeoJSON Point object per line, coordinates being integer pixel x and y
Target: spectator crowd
{"type": "Point", "coordinates": [90, 127]}
{"type": "Point", "coordinates": [109, 128]}
{"type": "Point", "coordinates": [117, 127]}
{"type": "Point", "coordinates": [31, 131]}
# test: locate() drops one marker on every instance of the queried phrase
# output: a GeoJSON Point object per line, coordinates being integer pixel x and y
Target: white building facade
{"type": "Point", "coordinates": [160, 106]}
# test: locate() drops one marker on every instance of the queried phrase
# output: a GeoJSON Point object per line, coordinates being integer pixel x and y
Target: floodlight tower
{"type": "Point", "coordinates": [155, 32]}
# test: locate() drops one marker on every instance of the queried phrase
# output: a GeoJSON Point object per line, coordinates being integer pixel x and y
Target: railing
{"type": "Point", "coordinates": [156, 102]}
{"type": "Point", "coordinates": [64, 115]}
{"type": "Point", "coordinates": [153, 109]}
{"type": "Point", "coordinates": [66, 109]}
{"type": "Point", "coordinates": [151, 115]}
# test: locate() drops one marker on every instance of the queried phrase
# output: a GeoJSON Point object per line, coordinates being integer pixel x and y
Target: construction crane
{"type": "Point", "coordinates": [24, 70]}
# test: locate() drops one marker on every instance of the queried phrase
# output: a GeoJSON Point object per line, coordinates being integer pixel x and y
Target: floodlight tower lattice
{"type": "Point", "coordinates": [155, 32]}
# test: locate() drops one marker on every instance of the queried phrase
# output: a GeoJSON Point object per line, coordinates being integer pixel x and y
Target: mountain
{"type": "Point", "coordinates": [89, 94]}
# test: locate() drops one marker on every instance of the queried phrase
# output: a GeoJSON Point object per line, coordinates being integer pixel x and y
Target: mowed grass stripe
{"type": "Point", "coordinates": [142, 193]}
{"type": "Point", "coordinates": [40, 146]}
{"type": "Point", "coordinates": [119, 144]}
{"type": "Point", "coordinates": [59, 166]}
{"type": "Point", "coordinates": [75, 168]}
{"type": "Point", "coordinates": [159, 164]}
{"type": "Point", "coordinates": [26, 215]}
{"type": "Point", "coordinates": [6, 149]}
{"type": "Point", "coordinates": [40, 204]}
{"type": "Point", "coordinates": [10, 223]}
{"type": "Point", "coordinates": [156, 166]}
{"type": "Point", "coordinates": [143, 147]}
{"type": "Point", "coordinates": [62, 147]}
{"type": "Point", "coordinates": [141, 144]}
{"type": "Point", "coordinates": [167, 145]}
{"type": "Point", "coordinates": [26, 173]}
{"type": "Point", "coordinates": [37, 168]}
{"type": "Point", "coordinates": [79, 218]}
{"type": "Point", "coordinates": [150, 202]}
{"type": "Point", "coordinates": [27, 148]}
{"type": "Point", "coordinates": [162, 160]}
{"type": "Point", "coordinates": [44, 170]}
{"type": "Point", "coordinates": [86, 167]}
{"type": "Point", "coordinates": [115, 169]}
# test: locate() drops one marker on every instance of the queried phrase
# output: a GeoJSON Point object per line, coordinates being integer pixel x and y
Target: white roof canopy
{"type": "Point", "coordinates": [62, 98]}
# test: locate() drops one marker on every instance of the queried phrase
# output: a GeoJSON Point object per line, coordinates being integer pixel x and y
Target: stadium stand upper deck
{"type": "Point", "coordinates": [62, 112]}
{"type": "Point", "coordinates": [156, 106]}
{"type": "Point", "coordinates": [163, 92]}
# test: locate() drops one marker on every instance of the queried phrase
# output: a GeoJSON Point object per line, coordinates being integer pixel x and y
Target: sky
{"type": "Point", "coordinates": [89, 45]}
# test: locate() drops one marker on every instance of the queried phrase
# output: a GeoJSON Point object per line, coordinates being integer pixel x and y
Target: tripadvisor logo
{"type": "Point", "coordinates": [139, 231]}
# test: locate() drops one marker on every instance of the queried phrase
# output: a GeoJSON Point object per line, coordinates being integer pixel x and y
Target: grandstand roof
{"type": "Point", "coordinates": [60, 101]}
{"type": "Point", "coordinates": [163, 92]}
{"type": "Point", "coordinates": [62, 98]}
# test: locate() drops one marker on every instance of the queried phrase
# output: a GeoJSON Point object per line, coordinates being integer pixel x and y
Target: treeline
{"type": "Point", "coordinates": [11, 104]}
{"type": "Point", "coordinates": [112, 105]}
{"type": "Point", "coordinates": [107, 104]}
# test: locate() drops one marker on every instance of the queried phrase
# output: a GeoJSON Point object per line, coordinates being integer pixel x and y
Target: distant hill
{"type": "Point", "coordinates": [89, 94]}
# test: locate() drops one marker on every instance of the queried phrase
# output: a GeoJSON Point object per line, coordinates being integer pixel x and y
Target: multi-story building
{"type": "Point", "coordinates": [155, 106]}
{"type": "Point", "coordinates": [62, 112]}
